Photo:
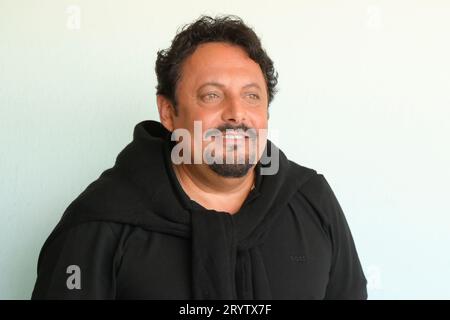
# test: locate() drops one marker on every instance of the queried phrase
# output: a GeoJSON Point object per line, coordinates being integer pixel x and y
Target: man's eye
{"type": "Point", "coordinates": [253, 96]}
{"type": "Point", "coordinates": [210, 96]}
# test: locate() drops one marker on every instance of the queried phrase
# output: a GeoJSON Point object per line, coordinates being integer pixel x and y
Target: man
{"type": "Point", "coordinates": [191, 209]}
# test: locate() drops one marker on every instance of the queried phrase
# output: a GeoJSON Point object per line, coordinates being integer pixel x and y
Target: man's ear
{"type": "Point", "coordinates": [166, 112]}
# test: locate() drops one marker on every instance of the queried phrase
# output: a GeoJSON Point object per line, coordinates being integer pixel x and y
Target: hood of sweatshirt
{"type": "Point", "coordinates": [141, 189]}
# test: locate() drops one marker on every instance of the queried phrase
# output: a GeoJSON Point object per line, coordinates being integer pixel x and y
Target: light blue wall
{"type": "Point", "coordinates": [364, 98]}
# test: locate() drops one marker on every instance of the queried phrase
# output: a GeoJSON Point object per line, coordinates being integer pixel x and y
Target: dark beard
{"type": "Point", "coordinates": [231, 170]}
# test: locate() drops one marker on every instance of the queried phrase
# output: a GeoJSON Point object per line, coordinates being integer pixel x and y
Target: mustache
{"type": "Point", "coordinates": [223, 128]}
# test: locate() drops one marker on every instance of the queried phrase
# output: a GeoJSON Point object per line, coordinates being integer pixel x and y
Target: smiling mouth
{"type": "Point", "coordinates": [234, 137]}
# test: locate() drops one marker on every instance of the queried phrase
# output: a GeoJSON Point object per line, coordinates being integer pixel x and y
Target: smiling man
{"type": "Point", "coordinates": [201, 205]}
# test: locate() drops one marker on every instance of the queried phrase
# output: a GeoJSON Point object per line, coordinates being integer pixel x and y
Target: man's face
{"type": "Point", "coordinates": [225, 90]}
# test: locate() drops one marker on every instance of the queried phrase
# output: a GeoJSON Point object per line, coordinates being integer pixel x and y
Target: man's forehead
{"type": "Point", "coordinates": [219, 55]}
{"type": "Point", "coordinates": [221, 65]}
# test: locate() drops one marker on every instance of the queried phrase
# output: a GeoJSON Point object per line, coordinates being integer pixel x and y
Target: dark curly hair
{"type": "Point", "coordinates": [230, 29]}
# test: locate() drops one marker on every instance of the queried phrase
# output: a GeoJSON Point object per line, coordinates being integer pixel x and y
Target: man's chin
{"type": "Point", "coordinates": [231, 170]}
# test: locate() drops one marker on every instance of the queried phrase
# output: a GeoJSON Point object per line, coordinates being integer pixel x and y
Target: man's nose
{"type": "Point", "coordinates": [234, 112]}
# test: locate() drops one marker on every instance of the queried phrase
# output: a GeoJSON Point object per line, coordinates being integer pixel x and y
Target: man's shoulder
{"type": "Point", "coordinates": [318, 192]}
{"type": "Point", "coordinates": [110, 192]}
{"type": "Point", "coordinates": [298, 169]}
{"type": "Point", "coordinates": [313, 183]}
{"type": "Point", "coordinates": [301, 173]}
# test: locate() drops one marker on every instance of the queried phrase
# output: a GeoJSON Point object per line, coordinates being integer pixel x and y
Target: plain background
{"type": "Point", "coordinates": [364, 94]}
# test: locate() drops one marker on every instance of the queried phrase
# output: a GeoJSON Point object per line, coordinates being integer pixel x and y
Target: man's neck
{"type": "Point", "coordinates": [213, 191]}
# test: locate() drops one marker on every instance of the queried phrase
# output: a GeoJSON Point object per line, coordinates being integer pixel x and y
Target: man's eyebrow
{"type": "Point", "coordinates": [221, 85]}
{"type": "Point", "coordinates": [253, 84]}
{"type": "Point", "coordinates": [212, 83]}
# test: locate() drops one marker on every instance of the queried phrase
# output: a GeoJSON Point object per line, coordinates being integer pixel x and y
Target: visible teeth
{"type": "Point", "coordinates": [228, 136]}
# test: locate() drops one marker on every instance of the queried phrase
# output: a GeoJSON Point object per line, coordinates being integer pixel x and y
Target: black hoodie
{"type": "Point", "coordinates": [135, 234]}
